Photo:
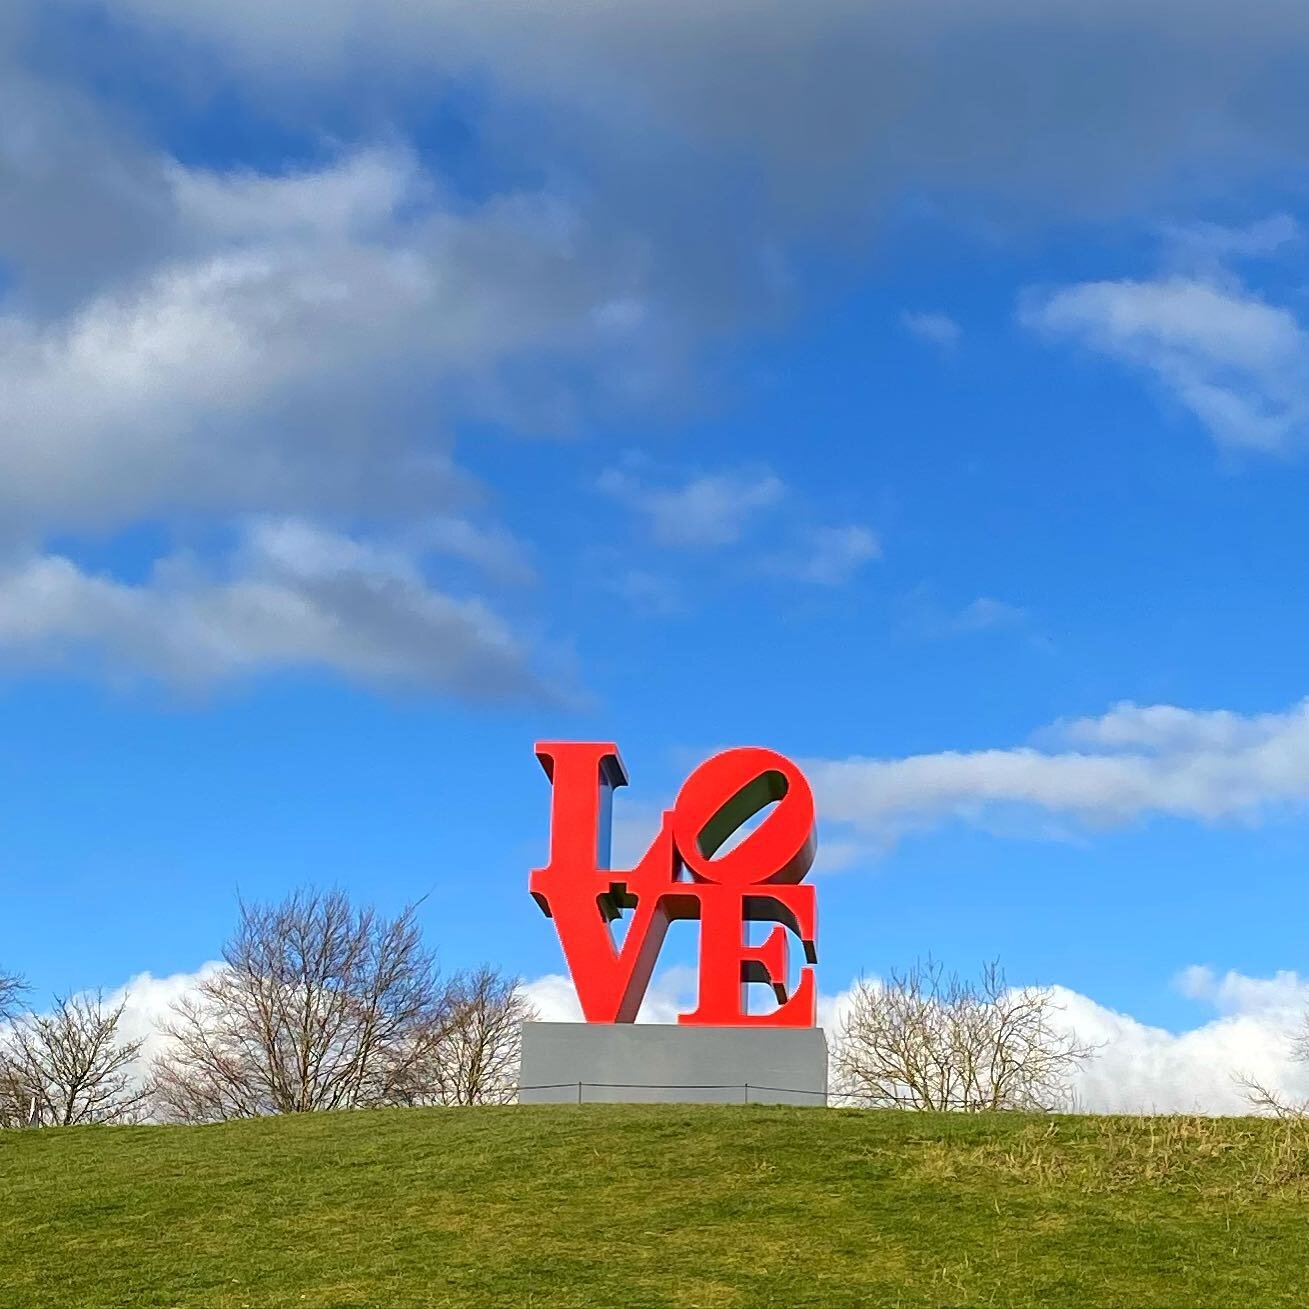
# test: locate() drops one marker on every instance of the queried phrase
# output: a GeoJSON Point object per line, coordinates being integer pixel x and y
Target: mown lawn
{"type": "Point", "coordinates": [642, 1205]}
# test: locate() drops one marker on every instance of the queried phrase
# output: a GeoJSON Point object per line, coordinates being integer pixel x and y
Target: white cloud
{"type": "Point", "coordinates": [1166, 729]}
{"type": "Point", "coordinates": [1226, 355]}
{"type": "Point", "coordinates": [359, 195]}
{"type": "Point", "coordinates": [554, 999]}
{"type": "Point", "coordinates": [1235, 993]}
{"type": "Point", "coordinates": [985, 612]}
{"type": "Point", "coordinates": [1144, 1069]}
{"type": "Point", "coordinates": [297, 597]}
{"type": "Point", "coordinates": [713, 509]}
{"type": "Point", "coordinates": [671, 992]}
{"type": "Point", "coordinates": [148, 1004]}
{"type": "Point", "coordinates": [1210, 246]}
{"type": "Point", "coordinates": [1133, 762]}
{"type": "Point", "coordinates": [925, 617]}
{"type": "Point", "coordinates": [938, 329]}
{"type": "Point", "coordinates": [829, 556]}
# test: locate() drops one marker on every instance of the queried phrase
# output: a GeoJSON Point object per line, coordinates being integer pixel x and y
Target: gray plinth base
{"type": "Point", "coordinates": [670, 1064]}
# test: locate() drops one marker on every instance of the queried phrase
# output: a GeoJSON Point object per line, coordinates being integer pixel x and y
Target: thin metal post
{"type": "Point", "coordinates": [579, 1093]}
{"type": "Point", "coordinates": [747, 1093]}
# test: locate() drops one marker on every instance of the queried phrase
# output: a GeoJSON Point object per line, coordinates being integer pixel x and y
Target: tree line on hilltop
{"type": "Point", "coordinates": [321, 1004]}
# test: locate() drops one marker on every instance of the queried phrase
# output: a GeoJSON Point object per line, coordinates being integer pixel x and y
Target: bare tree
{"type": "Point", "coordinates": [69, 1067]}
{"type": "Point", "coordinates": [476, 1056]}
{"type": "Point", "coordinates": [925, 1039]}
{"type": "Point", "coordinates": [320, 1005]}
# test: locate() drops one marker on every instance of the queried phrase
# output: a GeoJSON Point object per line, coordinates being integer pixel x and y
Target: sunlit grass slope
{"type": "Point", "coordinates": [634, 1206]}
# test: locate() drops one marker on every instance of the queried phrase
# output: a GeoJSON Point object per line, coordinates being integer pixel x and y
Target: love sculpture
{"type": "Point", "coordinates": [689, 871]}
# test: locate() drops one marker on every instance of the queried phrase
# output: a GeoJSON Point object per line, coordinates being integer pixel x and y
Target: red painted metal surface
{"type": "Point", "coordinates": [691, 870]}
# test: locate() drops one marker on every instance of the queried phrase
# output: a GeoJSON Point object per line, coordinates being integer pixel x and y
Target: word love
{"type": "Point", "coordinates": [689, 871]}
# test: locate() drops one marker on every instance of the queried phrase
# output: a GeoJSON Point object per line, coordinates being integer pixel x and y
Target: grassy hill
{"type": "Point", "coordinates": [636, 1206]}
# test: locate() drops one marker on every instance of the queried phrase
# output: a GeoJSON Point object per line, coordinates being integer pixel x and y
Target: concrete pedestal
{"type": "Point", "coordinates": [671, 1064]}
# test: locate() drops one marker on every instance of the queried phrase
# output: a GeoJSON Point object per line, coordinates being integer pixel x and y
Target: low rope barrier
{"type": "Point", "coordinates": [744, 1087]}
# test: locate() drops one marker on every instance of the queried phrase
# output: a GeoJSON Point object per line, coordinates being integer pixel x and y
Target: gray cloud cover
{"type": "Point", "coordinates": [1067, 103]}
{"type": "Point", "coordinates": [221, 342]}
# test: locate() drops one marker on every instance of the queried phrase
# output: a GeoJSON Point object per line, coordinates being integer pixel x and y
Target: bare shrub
{"type": "Point", "coordinates": [925, 1039]}
{"type": "Point", "coordinates": [320, 1005]}
{"type": "Point", "coordinates": [69, 1067]}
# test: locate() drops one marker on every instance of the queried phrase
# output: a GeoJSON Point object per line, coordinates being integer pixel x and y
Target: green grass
{"type": "Point", "coordinates": [643, 1206]}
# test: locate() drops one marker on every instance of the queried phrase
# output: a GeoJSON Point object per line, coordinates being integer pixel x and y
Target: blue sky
{"type": "Point", "coordinates": [919, 392]}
